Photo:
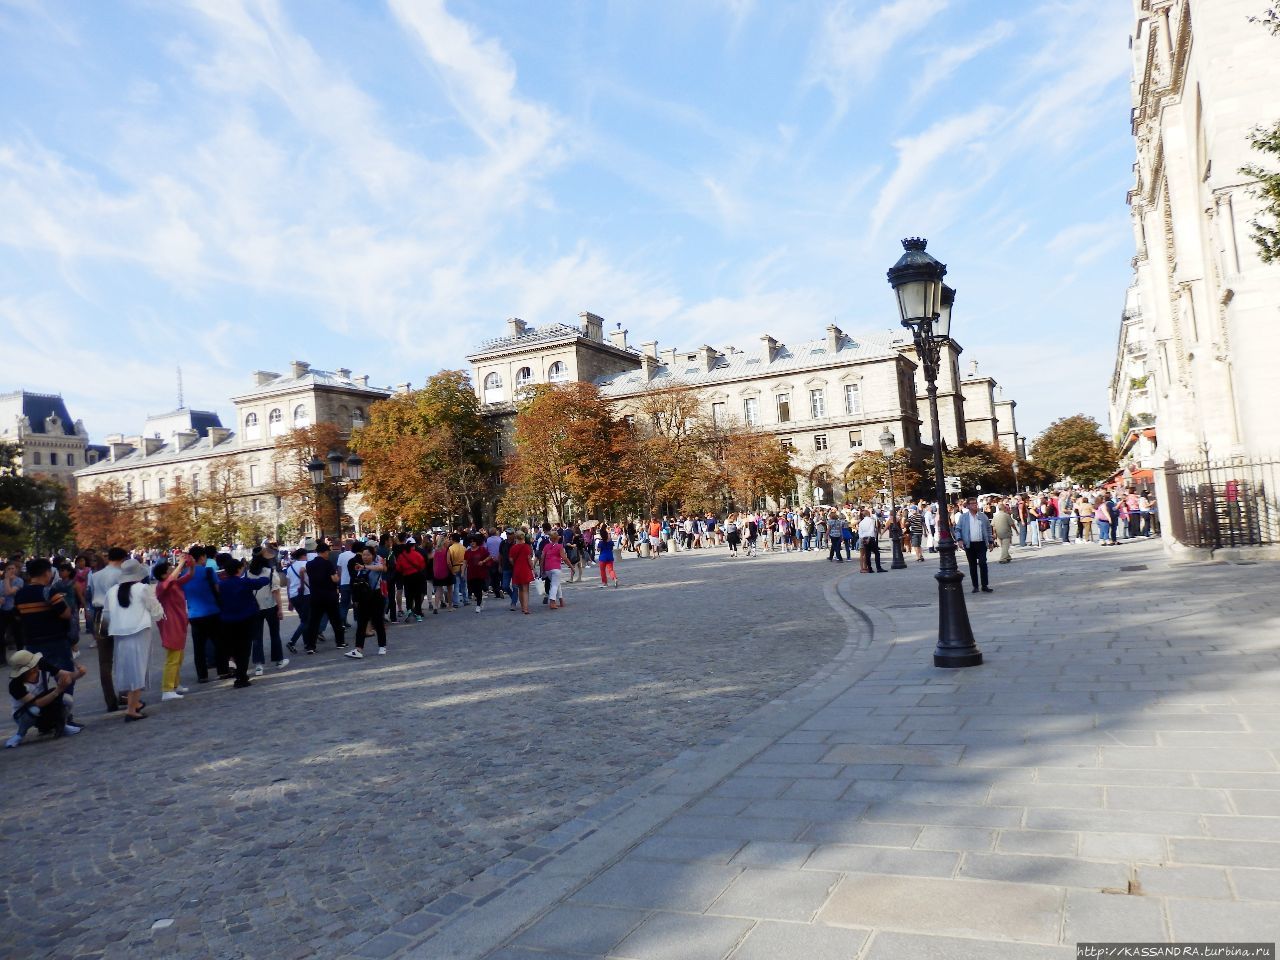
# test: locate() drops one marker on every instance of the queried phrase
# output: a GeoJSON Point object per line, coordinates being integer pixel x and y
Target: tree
{"type": "Point", "coordinates": [104, 517]}
{"type": "Point", "coordinates": [427, 453]}
{"type": "Point", "coordinates": [27, 521]}
{"type": "Point", "coordinates": [1266, 140]}
{"type": "Point", "coordinates": [567, 449]}
{"type": "Point", "coordinates": [304, 506]}
{"type": "Point", "coordinates": [753, 464]}
{"type": "Point", "coordinates": [1076, 447]}
{"type": "Point", "coordinates": [867, 475]}
{"type": "Point", "coordinates": [670, 452]}
{"type": "Point", "coordinates": [220, 502]}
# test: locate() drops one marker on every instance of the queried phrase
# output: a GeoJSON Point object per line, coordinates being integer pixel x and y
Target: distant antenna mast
{"type": "Point", "coordinates": [181, 404]}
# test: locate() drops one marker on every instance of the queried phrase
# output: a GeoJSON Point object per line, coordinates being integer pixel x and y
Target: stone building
{"type": "Point", "coordinates": [828, 400]}
{"type": "Point", "coordinates": [1204, 77]}
{"type": "Point", "coordinates": [177, 448]}
{"type": "Point", "coordinates": [1132, 407]}
{"type": "Point", "coordinates": [51, 443]}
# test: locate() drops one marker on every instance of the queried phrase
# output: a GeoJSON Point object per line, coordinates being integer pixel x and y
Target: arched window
{"type": "Point", "coordinates": [301, 416]}
{"type": "Point", "coordinates": [557, 372]}
{"type": "Point", "coordinates": [524, 377]}
{"type": "Point", "coordinates": [275, 422]}
{"type": "Point", "coordinates": [493, 389]}
{"type": "Point", "coordinates": [252, 430]}
{"type": "Point", "coordinates": [357, 417]}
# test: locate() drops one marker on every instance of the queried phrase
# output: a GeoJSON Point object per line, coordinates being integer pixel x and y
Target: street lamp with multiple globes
{"type": "Point", "coordinates": [924, 304]}
{"type": "Point", "coordinates": [888, 445]}
{"type": "Point", "coordinates": [337, 474]}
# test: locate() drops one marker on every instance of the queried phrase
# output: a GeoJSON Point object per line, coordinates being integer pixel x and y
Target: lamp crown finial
{"type": "Point", "coordinates": [914, 243]}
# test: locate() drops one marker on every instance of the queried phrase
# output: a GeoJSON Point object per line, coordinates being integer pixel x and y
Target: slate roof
{"type": "Point", "coordinates": [36, 407]}
{"type": "Point", "coordinates": [197, 420]}
{"type": "Point", "coordinates": [312, 378]}
{"type": "Point", "coordinates": [544, 334]}
{"type": "Point", "coordinates": [811, 355]}
{"type": "Point", "coordinates": [169, 454]}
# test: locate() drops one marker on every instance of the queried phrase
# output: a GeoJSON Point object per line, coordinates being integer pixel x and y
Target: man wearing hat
{"type": "Point", "coordinates": [39, 696]}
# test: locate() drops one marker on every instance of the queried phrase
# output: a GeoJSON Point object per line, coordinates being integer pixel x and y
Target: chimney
{"type": "Point", "coordinates": [834, 336]}
{"type": "Point", "coordinates": [119, 449]}
{"type": "Point", "coordinates": [592, 326]}
{"type": "Point", "coordinates": [973, 368]}
{"type": "Point", "coordinates": [298, 369]}
{"type": "Point", "coordinates": [362, 380]}
{"type": "Point", "coordinates": [668, 357]}
{"type": "Point", "coordinates": [707, 357]}
{"type": "Point", "coordinates": [516, 327]}
{"type": "Point", "coordinates": [403, 387]}
{"type": "Point", "coordinates": [218, 435]}
{"type": "Point", "coordinates": [650, 349]}
{"type": "Point", "coordinates": [619, 337]}
{"type": "Point", "coordinates": [344, 373]}
{"type": "Point", "coordinates": [263, 377]}
{"type": "Point", "coordinates": [150, 445]}
{"type": "Point", "coordinates": [731, 351]}
{"type": "Point", "coordinates": [648, 365]}
{"type": "Point", "coordinates": [770, 347]}
{"type": "Point", "coordinates": [185, 438]}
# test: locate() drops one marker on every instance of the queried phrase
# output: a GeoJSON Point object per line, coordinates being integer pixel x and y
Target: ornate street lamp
{"type": "Point", "coordinates": [924, 304]}
{"type": "Point", "coordinates": [888, 445]}
{"type": "Point", "coordinates": [336, 474]}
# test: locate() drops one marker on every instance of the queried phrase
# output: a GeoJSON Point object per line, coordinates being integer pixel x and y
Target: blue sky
{"type": "Point", "coordinates": [230, 185]}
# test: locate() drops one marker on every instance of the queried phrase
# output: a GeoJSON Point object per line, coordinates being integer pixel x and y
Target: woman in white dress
{"type": "Point", "coordinates": [132, 608]}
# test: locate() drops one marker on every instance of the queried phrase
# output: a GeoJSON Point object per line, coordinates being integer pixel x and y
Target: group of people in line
{"type": "Point", "coordinates": [230, 608]}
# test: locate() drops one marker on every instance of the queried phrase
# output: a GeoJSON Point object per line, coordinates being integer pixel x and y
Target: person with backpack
{"type": "Point", "coordinates": [299, 594]}
{"type": "Point", "coordinates": [476, 562]}
{"type": "Point", "coordinates": [271, 610]}
{"type": "Point", "coordinates": [367, 572]}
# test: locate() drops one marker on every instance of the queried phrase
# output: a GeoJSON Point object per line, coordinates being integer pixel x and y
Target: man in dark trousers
{"type": "Point", "coordinates": [974, 533]}
{"type": "Point", "coordinates": [322, 577]}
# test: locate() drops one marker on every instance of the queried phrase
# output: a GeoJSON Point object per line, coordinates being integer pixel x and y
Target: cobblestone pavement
{"type": "Point", "coordinates": [338, 800]}
{"type": "Point", "coordinates": [1111, 773]}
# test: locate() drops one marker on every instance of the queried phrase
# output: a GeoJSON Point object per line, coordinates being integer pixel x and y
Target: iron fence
{"type": "Point", "coordinates": [1229, 503]}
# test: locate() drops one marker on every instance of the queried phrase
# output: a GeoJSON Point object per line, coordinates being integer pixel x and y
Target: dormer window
{"type": "Point", "coordinates": [252, 429]}
{"type": "Point", "coordinates": [524, 377]}
{"type": "Point", "coordinates": [558, 372]}
{"type": "Point", "coordinates": [301, 416]}
{"type": "Point", "coordinates": [275, 422]}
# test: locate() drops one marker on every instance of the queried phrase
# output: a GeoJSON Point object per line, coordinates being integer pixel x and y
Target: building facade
{"type": "Point", "coordinates": [177, 450]}
{"type": "Point", "coordinates": [1204, 77]}
{"type": "Point", "coordinates": [51, 444]}
{"type": "Point", "coordinates": [827, 400]}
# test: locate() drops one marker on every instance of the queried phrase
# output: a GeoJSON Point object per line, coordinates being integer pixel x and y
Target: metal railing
{"type": "Point", "coordinates": [1228, 503]}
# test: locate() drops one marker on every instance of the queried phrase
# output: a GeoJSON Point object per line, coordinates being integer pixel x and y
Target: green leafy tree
{"type": "Point", "coordinates": [427, 453]}
{"type": "Point", "coordinates": [1266, 140]}
{"type": "Point", "coordinates": [35, 512]}
{"type": "Point", "coordinates": [1076, 447]}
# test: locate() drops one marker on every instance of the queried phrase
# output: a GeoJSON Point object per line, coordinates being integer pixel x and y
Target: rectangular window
{"type": "Point", "coordinates": [128, 490]}
{"type": "Point", "coordinates": [751, 411]}
{"type": "Point", "coordinates": [71, 459]}
{"type": "Point", "coordinates": [853, 398]}
{"type": "Point", "coordinates": [253, 474]}
{"type": "Point", "coordinates": [144, 490]}
{"type": "Point", "coordinates": [717, 414]}
{"type": "Point", "coordinates": [820, 441]}
{"type": "Point", "coordinates": [855, 439]}
{"type": "Point", "coordinates": [160, 488]}
{"type": "Point", "coordinates": [817, 404]}
{"type": "Point", "coordinates": [195, 486]}
{"type": "Point", "coordinates": [787, 445]}
{"type": "Point", "coordinates": [35, 457]}
{"type": "Point", "coordinates": [53, 458]}
{"type": "Point", "coordinates": [784, 407]}
{"type": "Point", "coordinates": [257, 506]}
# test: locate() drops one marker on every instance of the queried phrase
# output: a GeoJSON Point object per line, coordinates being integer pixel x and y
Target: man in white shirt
{"type": "Point", "coordinates": [869, 539]}
{"type": "Point", "coordinates": [973, 531]}
{"type": "Point", "coordinates": [100, 584]}
{"type": "Point", "coordinates": [344, 581]}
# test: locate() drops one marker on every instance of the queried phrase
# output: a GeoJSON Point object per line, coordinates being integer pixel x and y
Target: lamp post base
{"type": "Point", "coordinates": [956, 646]}
{"type": "Point", "coordinates": [899, 561]}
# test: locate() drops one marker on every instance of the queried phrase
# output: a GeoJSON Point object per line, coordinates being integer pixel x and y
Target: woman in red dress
{"type": "Point", "coordinates": [521, 557]}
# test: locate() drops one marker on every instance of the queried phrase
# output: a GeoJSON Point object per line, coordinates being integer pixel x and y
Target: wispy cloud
{"type": "Point", "coordinates": [853, 43]}
{"type": "Point", "coordinates": [917, 155]}
{"type": "Point", "coordinates": [944, 61]}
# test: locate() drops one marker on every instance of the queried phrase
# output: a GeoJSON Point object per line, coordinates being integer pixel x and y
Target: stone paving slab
{"type": "Point", "coordinates": [1064, 790]}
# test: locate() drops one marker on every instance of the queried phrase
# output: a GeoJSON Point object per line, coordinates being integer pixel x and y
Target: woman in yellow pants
{"type": "Point", "coordinates": [173, 627]}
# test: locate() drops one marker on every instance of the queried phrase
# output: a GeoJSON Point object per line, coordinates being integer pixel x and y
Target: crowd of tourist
{"type": "Point", "coordinates": [229, 607]}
